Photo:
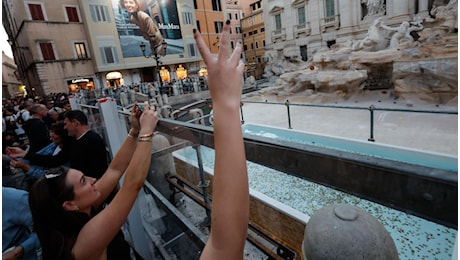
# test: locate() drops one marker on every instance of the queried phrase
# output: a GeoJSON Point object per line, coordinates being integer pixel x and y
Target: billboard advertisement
{"type": "Point", "coordinates": [154, 23]}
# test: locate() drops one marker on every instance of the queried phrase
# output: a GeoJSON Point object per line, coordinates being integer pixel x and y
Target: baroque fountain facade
{"type": "Point", "coordinates": [411, 57]}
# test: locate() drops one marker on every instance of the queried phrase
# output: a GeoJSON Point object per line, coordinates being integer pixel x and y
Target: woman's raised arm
{"type": "Point", "coordinates": [101, 229]}
{"type": "Point", "coordinates": [230, 200]}
{"type": "Point", "coordinates": [120, 162]}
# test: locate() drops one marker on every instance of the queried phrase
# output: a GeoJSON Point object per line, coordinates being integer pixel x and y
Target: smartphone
{"type": "Point", "coordinates": [141, 107]}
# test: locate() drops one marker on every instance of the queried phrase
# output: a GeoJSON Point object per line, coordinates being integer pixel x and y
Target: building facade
{"type": "Point", "coordinates": [210, 18]}
{"type": "Point", "coordinates": [234, 14]}
{"type": "Point", "coordinates": [253, 27]}
{"type": "Point", "coordinates": [116, 40]}
{"type": "Point", "coordinates": [49, 44]}
{"type": "Point", "coordinates": [11, 86]}
{"type": "Point", "coordinates": [68, 45]}
{"type": "Point", "coordinates": [301, 27]}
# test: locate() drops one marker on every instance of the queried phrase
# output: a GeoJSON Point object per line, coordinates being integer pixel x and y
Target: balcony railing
{"type": "Point", "coordinates": [330, 22]}
{"type": "Point", "coordinates": [279, 34]}
{"type": "Point", "coordinates": [302, 30]}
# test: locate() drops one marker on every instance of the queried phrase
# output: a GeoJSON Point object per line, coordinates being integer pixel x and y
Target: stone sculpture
{"type": "Point", "coordinates": [378, 34]}
{"type": "Point", "coordinates": [195, 114]}
{"type": "Point", "coordinates": [374, 7]}
{"type": "Point", "coordinates": [416, 59]}
{"type": "Point", "coordinates": [375, 39]}
{"type": "Point", "coordinates": [402, 33]}
{"type": "Point", "coordinates": [160, 167]}
{"type": "Point", "coordinates": [445, 17]}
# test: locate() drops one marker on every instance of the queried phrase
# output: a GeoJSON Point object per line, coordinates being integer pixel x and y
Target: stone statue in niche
{"type": "Point", "coordinates": [373, 7]}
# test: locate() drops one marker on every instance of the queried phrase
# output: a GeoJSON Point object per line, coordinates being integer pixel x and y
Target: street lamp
{"type": "Point", "coordinates": [154, 55]}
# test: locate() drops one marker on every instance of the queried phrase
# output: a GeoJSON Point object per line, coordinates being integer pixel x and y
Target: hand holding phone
{"type": "Point", "coordinates": [140, 107]}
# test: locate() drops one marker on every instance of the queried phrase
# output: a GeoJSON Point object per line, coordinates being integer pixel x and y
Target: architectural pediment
{"type": "Point", "coordinates": [298, 2]}
{"type": "Point", "coordinates": [276, 10]}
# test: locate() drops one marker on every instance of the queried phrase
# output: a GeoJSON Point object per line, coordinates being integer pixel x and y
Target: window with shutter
{"type": "Point", "coordinates": [36, 12]}
{"type": "Point", "coordinates": [47, 51]}
{"type": "Point", "coordinates": [72, 14]}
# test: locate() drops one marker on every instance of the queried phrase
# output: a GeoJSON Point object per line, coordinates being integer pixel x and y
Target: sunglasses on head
{"type": "Point", "coordinates": [54, 172]}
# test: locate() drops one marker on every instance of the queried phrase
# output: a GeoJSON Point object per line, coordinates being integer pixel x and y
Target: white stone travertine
{"type": "Point", "coordinates": [397, 32]}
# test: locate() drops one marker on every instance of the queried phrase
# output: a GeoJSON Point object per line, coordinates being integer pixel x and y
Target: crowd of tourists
{"type": "Point", "coordinates": [17, 111]}
{"type": "Point", "coordinates": [69, 204]}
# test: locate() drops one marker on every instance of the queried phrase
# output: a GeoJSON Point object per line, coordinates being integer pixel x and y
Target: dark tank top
{"type": "Point", "coordinates": [118, 248]}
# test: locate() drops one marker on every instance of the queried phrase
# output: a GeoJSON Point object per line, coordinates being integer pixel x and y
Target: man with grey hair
{"type": "Point", "coordinates": [36, 129]}
{"type": "Point", "coordinates": [54, 113]}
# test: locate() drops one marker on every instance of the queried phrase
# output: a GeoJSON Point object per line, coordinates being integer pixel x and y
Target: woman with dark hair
{"type": "Point", "coordinates": [146, 24]}
{"type": "Point", "coordinates": [60, 140]}
{"type": "Point", "coordinates": [66, 204]}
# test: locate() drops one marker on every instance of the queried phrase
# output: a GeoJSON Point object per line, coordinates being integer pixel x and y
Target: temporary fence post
{"type": "Point", "coordinates": [371, 138]}
{"type": "Point", "coordinates": [241, 111]}
{"type": "Point", "coordinates": [289, 113]}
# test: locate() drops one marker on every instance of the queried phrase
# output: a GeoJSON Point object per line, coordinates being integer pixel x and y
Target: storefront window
{"type": "Point", "coordinates": [181, 72]}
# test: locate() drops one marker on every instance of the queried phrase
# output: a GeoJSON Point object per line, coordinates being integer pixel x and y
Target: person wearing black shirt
{"type": "Point", "coordinates": [36, 130]}
{"type": "Point", "coordinates": [86, 151]}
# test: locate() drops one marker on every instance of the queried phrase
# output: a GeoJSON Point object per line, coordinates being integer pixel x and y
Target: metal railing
{"type": "Point", "coordinates": [371, 110]}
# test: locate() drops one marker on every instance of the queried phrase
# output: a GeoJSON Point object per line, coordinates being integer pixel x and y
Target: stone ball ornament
{"type": "Point", "coordinates": [342, 231]}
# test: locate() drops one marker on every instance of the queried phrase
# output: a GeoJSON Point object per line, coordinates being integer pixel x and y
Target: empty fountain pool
{"type": "Point", "coordinates": [399, 154]}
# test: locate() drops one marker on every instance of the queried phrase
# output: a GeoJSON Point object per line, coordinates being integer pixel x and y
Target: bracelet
{"type": "Point", "coordinates": [131, 135]}
{"type": "Point", "coordinates": [145, 139]}
{"type": "Point", "coordinates": [146, 135]}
